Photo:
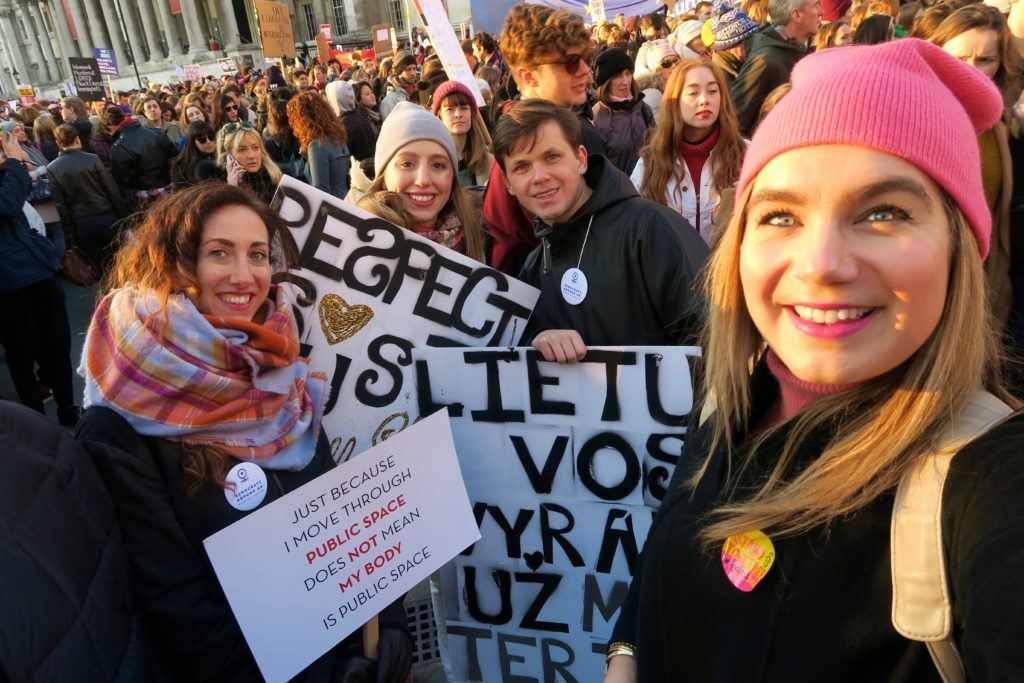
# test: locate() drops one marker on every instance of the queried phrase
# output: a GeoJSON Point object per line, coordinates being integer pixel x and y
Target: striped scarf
{"type": "Point", "coordinates": [185, 376]}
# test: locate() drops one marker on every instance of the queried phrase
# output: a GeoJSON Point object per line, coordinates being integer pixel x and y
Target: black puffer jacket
{"type": "Point", "coordinates": [66, 607]}
{"type": "Point", "coordinates": [140, 157]}
{"type": "Point", "coordinates": [641, 261]}
{"type": "Point", "coordinates": [191, 622]}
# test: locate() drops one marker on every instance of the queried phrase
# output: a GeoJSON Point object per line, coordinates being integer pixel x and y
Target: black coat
{"type": "Point", "coordinates": [140, 157]}
{"type": "Point", "coordinates": [823, 611]}
{"type": "Point", "coordinates": [362, 136]}
{"type": "Point", "coordinates": [641, 261]}
{"type": "Point", "coordinates": [192, 624]}
{"type": "Point", "coordinates": [82, 186]}
{"type": "Point", "coordinates": [770, 59]}
{"type": "Point", "coordinates": [67, 610]}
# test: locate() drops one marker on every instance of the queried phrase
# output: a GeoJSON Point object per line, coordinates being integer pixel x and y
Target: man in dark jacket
{"type": "Point", "coordinates": [67, 601]}
{"type": "Point", "coordinates": [771, 56]}
{"type": "Point", "coordinates": [88, 201]}
{"type": "Point", "coordinates": [73, 111]}
{"type": "Point", "coordinates": [556, 71]}
{"type": "Point", "coordinates": [612, 269]}
{"type": "Point", "coordinates": [731, 28]}
{"type": "Point", "coordinates": [140, 157]}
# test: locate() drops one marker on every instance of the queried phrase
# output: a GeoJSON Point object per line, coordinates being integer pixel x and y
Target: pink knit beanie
{"type": "Point", "coordinates": [448, 88]}
{"type": "Point", "coordinates": [908, 98]}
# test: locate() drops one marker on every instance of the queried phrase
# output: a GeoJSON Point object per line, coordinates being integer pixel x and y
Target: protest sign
{"type": "Point", "coordinates": [335, 552]}
{"type": "Point", "coordinates": [323, 50]}
{"type": "Point", "coordinates": [26, 95]}
{"type": "Point", "coordinates": [381, 34]}
{"type": "Point", "coordinates": [88, 80]}
{"type": "Point", "coordinates": [376, 291]}
{"type": "Point", "coordinates": [193, 72]}
{"type": "Point", "coordinates": [180, 73]}
{"type": "Point", "coordinates": [596, 10]}
{"type": "Point", "coordinates": [228, 65]}
{"type": "Point", "coordinates": [326, 31]}
{"type": "Point", "coordinates": [107, 61]}
{"type": "Point", "coordinates": [446, 44]}
{"type": "Point", "coordinates": [275, 28]}
{"type": "Point", "coordinates": [564, 464]}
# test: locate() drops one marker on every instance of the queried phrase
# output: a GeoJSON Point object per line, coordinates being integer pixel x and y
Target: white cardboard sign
{"type": "Point", "coordinates": [377, 291]}
{"type": "Point", "coordinates": [307, 570]}
{"type": "Point", "coordinates": [565, 465]}
{"type": "Point", "coordinates": [442, 37]}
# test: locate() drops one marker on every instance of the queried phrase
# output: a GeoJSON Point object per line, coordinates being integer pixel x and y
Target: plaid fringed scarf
{"type": "Point", "coordinates": [201, 379]}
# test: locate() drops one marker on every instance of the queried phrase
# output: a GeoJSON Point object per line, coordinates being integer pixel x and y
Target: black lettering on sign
{"type": "Point", "coordinates": [495, 411]}
{"type": "Point", "coordinates": [299, 198]}
{"type": "Point", "coordinates": [432, 284]}
{"type": "Point", "coordinates": [658, 476]}
{"type": "Point", "coordinates": [365, 231]}
{"type": "Point", "coordinates": [536, 382]}
{"type": "Point", "coordinates": [612, 360]}
{"type": "Point", "coordinates": [371, 376]}
{"type": "Point", "coordinates": [585, 465]}
{"type": "Point", "coordinates": [471, 635]}
{"type": "Point", "coordinates": [592, 598]}
{"type": "Point", "coordinates": [509, 309]}
{"type": "Point", "coordinates": [652, 376]}
{"type": "Point", "coordinates": [506, 659]}
{"type": "Point", "coordinates": [472, 280]}
{"type": "Point", "coordinates": [548, 585]}
{"type": "Point", "coordinates": [318, 235]}
{"type": "Point", "coordinates": [613, 538]}
{"type": "Point", "coordinates": [513, 532]}
{"type": "Point", "coordinates": [425, 397]}
{"type": "Point", "coordinates": [503, 580]}
{"type": "Point", "coordinates": [550, 535]}
{"type": "Point", "coordinates": [544, 480]}
{"type": "Point", "coordinates": [561, 667]}
{"type": "Point", "coordinates": [404, 267]}
{"type": "Point", "coordinates": [341, 366]}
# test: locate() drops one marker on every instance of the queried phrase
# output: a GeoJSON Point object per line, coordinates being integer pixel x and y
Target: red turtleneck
{"type": "Point", "coordinates": [794, 393]}
{"type": "Point", "coordinates": [696, 155]}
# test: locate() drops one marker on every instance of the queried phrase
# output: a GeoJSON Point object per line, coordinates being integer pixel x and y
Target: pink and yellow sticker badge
{"type": "Point", "coordinates": [746, 558]}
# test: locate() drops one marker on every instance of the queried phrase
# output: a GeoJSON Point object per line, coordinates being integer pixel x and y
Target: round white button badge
{"type": "Point", "coordinates": [574, 286]}
{"type": "Point", "coordinates": [250, 486]}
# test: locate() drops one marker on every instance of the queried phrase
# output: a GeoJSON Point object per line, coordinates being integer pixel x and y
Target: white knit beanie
{"type": "Point", "coordinates": [407, 123]}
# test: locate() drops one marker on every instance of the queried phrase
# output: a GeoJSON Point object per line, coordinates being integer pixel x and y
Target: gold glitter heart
{"type": "Point", "coordinates": [341, 453]}
{"type": "Point", "coordinates": [339, 320]}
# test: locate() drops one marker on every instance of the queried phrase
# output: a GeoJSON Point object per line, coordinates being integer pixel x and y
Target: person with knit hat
{"type": "Point", "coordinates": [417, 186]}
{"type": "Point", "coordinates": [771, 55]}
{"type": "Point", "coordinates": [730, 28]}
{"type": "Point", "coordinates": [401, 85]}
{"type": "Point", "coordinates": [848, 501]}
{"type": "Point", "coordinates": [454, 103]}
{"type": "Point", "coordinates": [687, 40]}
{"type": "Point", "coordinates": [660, 58]}
{"type": "Point", "coordinates": [836, 10]}
{"type": "Point", "coordinates": [621, 116]}
{"type": "Point", "coordinates": [360, 135]}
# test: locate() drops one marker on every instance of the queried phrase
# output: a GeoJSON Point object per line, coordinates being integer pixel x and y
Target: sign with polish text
{"type": "Point", "coordinates": [307, 570]}
{"type": "Point", "coordinates": [565, 465]}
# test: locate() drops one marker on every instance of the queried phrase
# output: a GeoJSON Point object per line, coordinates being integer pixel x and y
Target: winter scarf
{"type": "Point", "coordinates": [181, 375]}
{"type": "Point", "coordinates": [448, 232]}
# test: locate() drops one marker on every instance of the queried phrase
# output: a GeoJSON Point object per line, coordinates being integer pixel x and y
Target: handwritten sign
{"type": "Point", "coordinates": [444, 41]}
{"type": "Point", "coordinates": [327, 31]}
{"type": "Point", "coordinates": [88, 79]}
{"type": "Point", "coordinates": [377, 291]}
{"type": "Point", "coordinates": [228, 65]}
{"type": "Point", "coordinates": [564, 465]}
{"type": "Point", "coordinates": [275, 28]}
{"type": "Point", "coordinates": [193, 72]}
{"type": "Point", "coordinates": [335, 552]}
{"type": "Point", "coordinates": [381, 34]}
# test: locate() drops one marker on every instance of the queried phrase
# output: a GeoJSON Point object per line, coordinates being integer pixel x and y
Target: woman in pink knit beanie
{"type": "Point", "coordinates": [850, 499]}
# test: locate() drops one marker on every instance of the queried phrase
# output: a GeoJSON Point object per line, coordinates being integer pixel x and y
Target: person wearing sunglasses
{"type": "Point", "coordinates": [200, 145]}
{"type": "Point", "coordinates": [225, 110]}
{"type": "Point", "coordinates": [546, 51]}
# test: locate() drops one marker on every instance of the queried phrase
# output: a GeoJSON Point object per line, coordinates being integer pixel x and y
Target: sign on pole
{"type": "Point", "coordinates": [381, 34]}
{"type": "Point", "coordinates": [335, 552]}
{"type": "Point", "coordinates": [107, 61]}
{"type": "Point", "coordinates": [275, 26]}
{"type": "Point", "coordinates": [228, 65]}
{"type": "Point", "coordinates": [26, 95]}
{"type": "Point", "coordinates": [564, 465]}
{"type": "Point", "coordinates": [445, 42]}
{"type": "Point", "coordinates": [327, 31]}
{"type": "Point", "coordinates": [375, 292]}
{"type": "Point", "coordinates": [88, 80]}
{"type": "Point", "coordinates": [323, 50]}
{"type": "Point", "coordinates": [193, 72]}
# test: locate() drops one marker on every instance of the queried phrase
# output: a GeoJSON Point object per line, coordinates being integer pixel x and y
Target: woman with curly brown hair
{"type": "Point", "coordinates": [322, 139]}
{"type": "Point", "coordinates": [201, 409]}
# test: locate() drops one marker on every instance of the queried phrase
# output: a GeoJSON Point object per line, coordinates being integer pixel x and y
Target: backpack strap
{"type": "Point", "coordinates": [922, 608]}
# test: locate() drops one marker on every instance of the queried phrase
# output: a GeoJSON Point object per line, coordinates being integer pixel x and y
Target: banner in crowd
{"type": "Point", "coordinates": [305, 571]}
{"type": "Point", "coordinates": [88, 80]}
{"type": "Point", "coordinates": [564, 464]}
{"type": "Point", "coordinates": [107, 61]}
{"type": "Point", "coordinates": [228, 65]}
{"type": "Point", "coordinates": [275, 26]}
{"type": "Point", "coordinates": [442, 38]}
{"type": "Point", "coordinates": [375, 292]}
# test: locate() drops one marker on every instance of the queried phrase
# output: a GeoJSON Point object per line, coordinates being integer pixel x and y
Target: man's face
{"type": "Point", "coordinates": [547, 176]}
{"type": "Point", "coordinates": [704, 13]}
{"type": "Point", "coordinates": [807, 20]}
{"type": "Point", "coordinates": [67, 113]}
{"type": "Point", "coordinates": [409, 74]}
{"type": "Point", "coordinates": [563, 80]}
{"type": "Point", "coordinates": [303, 80]}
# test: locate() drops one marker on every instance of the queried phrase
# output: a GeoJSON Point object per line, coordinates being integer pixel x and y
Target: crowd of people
{"type": "Point", "coordinates": [822, 194]}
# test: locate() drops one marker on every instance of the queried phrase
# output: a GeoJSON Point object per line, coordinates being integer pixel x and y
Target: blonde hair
{"type": "Point", "coordinates": [228, 144]}
{"type": "Point", "coordinates": [880, 428]}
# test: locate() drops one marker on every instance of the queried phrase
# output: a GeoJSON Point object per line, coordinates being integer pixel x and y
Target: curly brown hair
{"type": "Point", "coordinates": [311, 118]}
{"type": "Point", "coordinates": [534, 33]}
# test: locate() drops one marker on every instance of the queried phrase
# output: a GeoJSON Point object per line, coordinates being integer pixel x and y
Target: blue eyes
{"type": "Point", "coordinates": [880, 214]}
